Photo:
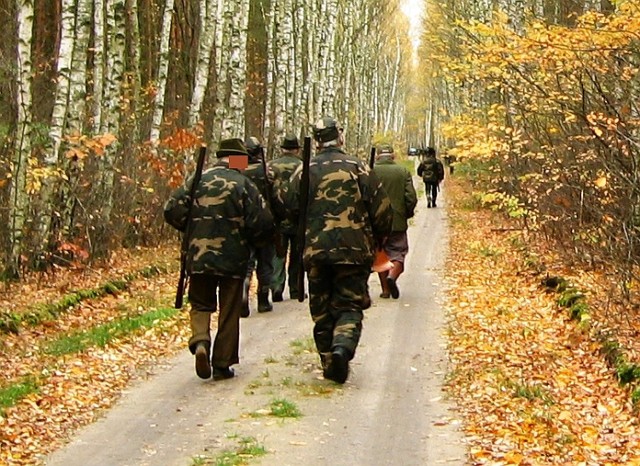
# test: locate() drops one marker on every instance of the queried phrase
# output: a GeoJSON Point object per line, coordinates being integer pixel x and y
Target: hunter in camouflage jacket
{"type": "Point", "coordinates": [349, 214]}
{"type": "Point", "coordinates": [284, 167]}
{"type": "Point", "coordinates": [229, 216]}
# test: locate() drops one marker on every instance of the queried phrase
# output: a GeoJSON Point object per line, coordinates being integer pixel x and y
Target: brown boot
{"type": "Point", "coordinates": [203, 367]}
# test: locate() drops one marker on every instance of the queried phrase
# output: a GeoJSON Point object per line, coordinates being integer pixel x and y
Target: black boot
{"type": "Point", "coordinates": [264, 305]}
{"type": "Point", "coordinates": [245, 312]}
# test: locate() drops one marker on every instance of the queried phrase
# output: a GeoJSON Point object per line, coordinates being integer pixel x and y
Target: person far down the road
{"type": "Point", "coordinates": [349, 214]}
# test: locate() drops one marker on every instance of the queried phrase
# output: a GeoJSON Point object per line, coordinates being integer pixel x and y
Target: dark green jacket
{"type": "Point", "coordinates": [349, 212]}
{"type": "Point", "coordinates": [229, 216]}
{"type": "Point", "coordinates": [396, 181]}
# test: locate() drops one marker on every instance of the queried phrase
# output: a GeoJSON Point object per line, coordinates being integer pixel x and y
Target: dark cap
{"type": "Point", "coordinates": [290, 141]}
{"type": "Point", "coordinates": [326, 129]}
{"type": "Point", "coordinates": [232, 146]}
{"type": "Point", "coordinates": [254, 147]}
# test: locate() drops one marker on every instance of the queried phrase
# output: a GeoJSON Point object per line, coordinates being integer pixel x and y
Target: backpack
{"type": "Point", "coordinates": [429, 171]}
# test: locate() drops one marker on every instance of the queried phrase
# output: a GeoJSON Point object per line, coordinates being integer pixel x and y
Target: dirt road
{"type": "Point", "coordinates": [391, 411]}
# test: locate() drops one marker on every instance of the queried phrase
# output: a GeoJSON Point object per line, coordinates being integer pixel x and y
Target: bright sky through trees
{"type": "Point", "coordinates": [413, 9]}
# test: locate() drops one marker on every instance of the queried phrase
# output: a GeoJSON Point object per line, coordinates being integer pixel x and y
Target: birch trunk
{"type": "Point", "coordinates": [161, 78]}
{"type": "Point", "coordinates": [116, 33]}
{"type": "Point", "coordinates": [19, 199]}
{"type": "Point", "coordinates": [269, 113]}
{"type": "Point", "coordinates": [208, 10]}
{"type": "Point", "coordinates": [98, 64]}
{"type": "Point", "coordinates": [234, 125]}
{"type": "Point", "coordinates": [52, 165]}
{"type": "Point", "coordinates": [223, 40]}
{"type": "Point", "coordinates": [75, 117]}
{"type": "Point", "coordinates": [394, 85]}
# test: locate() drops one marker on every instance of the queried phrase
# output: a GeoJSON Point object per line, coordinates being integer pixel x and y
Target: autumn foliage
{"type": "Point", "coordinates": [550, 111]}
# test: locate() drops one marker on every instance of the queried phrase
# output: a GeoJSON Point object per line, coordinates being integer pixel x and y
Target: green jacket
{"type": "Point", "coordinates": [349, 212]}
{"type": "Point", "coordinates": [229, 216]}
{"type": "Point", "coordinates": [397, 182]}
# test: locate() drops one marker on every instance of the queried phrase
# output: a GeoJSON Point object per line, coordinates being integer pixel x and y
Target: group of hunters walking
{"type": "Point", "coordinates": [244, 214]}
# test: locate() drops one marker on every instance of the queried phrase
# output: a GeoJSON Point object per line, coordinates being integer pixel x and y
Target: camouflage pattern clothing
{"type": "Point", "coordinates": [349, 213]}
{"type": "Point", "coordinates": [262, 257]}
{"type": "Point", "coordinates": [284, 167]}
{"type": "Point", "coordinates": [229, 217]}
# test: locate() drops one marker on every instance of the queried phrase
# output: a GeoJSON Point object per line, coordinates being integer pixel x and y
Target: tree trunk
{"type": "Point", "coordinates": [161, 79]}
{"type": "Point", "coordinates": [19, 198]}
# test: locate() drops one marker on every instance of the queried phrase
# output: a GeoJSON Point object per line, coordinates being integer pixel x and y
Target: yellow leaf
{"type": "Point", "coordinates": [601, 182]}
{"type": "Point", "coordinates": [513, 458]}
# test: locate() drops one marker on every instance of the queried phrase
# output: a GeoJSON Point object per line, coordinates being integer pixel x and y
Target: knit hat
{"type": "Point", "coordinates": [290, 141]}
{"type": "Point", "coordinates": [232, 146]}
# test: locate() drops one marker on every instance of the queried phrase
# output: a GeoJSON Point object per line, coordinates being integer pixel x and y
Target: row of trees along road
{"type": "Point", "coordinates": [103, 103]}
{"type": "Point", "coordinates": [543, 96]}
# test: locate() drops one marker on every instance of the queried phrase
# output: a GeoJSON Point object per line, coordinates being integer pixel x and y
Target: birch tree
{"type": "Point", "coordinates": [52, 166]}
{"type": "Point", "coordinates": [22, 152]}
{"type": "Point", "coordinates": [208, 12]}
{"type": "Point", "coordinates": [161, 79]}
{"type": "Point", "coordinates": [114, 76]}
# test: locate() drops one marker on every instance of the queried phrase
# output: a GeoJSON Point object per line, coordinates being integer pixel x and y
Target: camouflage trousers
{"type": "Point", "coordinates": [208, 293]}
{"type": "Point", "coordinates": [337, 295]}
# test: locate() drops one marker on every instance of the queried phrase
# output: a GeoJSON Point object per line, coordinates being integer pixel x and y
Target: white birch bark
{"type": "Point", "coordinates": [269, 19]}
{"type": "Point", "coordinates": [63, 71]}
{"type": "Point", "coordinates": [161, 78]}
{"type": "Point", "coordinates": [18, 198]}
{"type": "Point", "coordinates": [116, 33]}
{"type": "Point", "coordinates": [282, 41]}
{"type": "Point", "coordinates": [234, 125]}
{"type": "Point", "coordinates": [76, 113]}
{"type": "Point", "coordinates": [394, 85]}
{"type": "Point", "coordinates": [59, 114]}
{"type": "Point", "coordinates": [208, 10]}
{"type": "Point", "coordinates": [223, 54]}
{"type": "Point", "coordinates": [300, 115]}
{"type": "Point", "coordinates": [98, 64]}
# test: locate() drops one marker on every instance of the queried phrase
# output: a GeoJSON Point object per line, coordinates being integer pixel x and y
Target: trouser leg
{"type": "Point", "coordinates": [202, 299]}
{"type": "Point", "coordinates": [227, 340]}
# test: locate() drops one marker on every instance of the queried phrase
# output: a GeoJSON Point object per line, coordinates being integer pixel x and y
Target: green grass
{"type": "Point", "coordinates": [301, 346]}
{"type": "Point", "coordinates": [11, 322]}
{"type": "Point", "coordinates": [247, 450]}
{"type": "Point", "coordinates": [13, 393]}
{"type": "Point", "coordinates": [103, 334]}
{"type": "Point", "coordinates": [529, 392]}
{"type": "Point", "coordinates": [284, 408]}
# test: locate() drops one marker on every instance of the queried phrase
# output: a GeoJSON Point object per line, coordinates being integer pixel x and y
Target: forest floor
{"type": "Point", "coordinates": [532, 384]}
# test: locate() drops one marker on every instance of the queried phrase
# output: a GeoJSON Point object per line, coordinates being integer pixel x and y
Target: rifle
{"type": "Point", "coordinates": [302, 217]}
{"type": "Point", "coordinates": [268, 187]}
{"type": "Point", "coordinates": [372, 158]}
{"type": "Point", "coordinates": [184, 248]}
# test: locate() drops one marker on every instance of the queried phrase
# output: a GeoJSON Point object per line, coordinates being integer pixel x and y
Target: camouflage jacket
{"type": "Point", "coordinates": [283, 168]}
{"type": "Point", "coordinates": [397, 182]}
{"type": "Point", "coordinates": [349, 213]}
{"type": "Point", "coordinates": [229, 216]}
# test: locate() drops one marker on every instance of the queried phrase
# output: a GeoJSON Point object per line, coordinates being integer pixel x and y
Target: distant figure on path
{"type": "Point", "coordinates": [432, 172]}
